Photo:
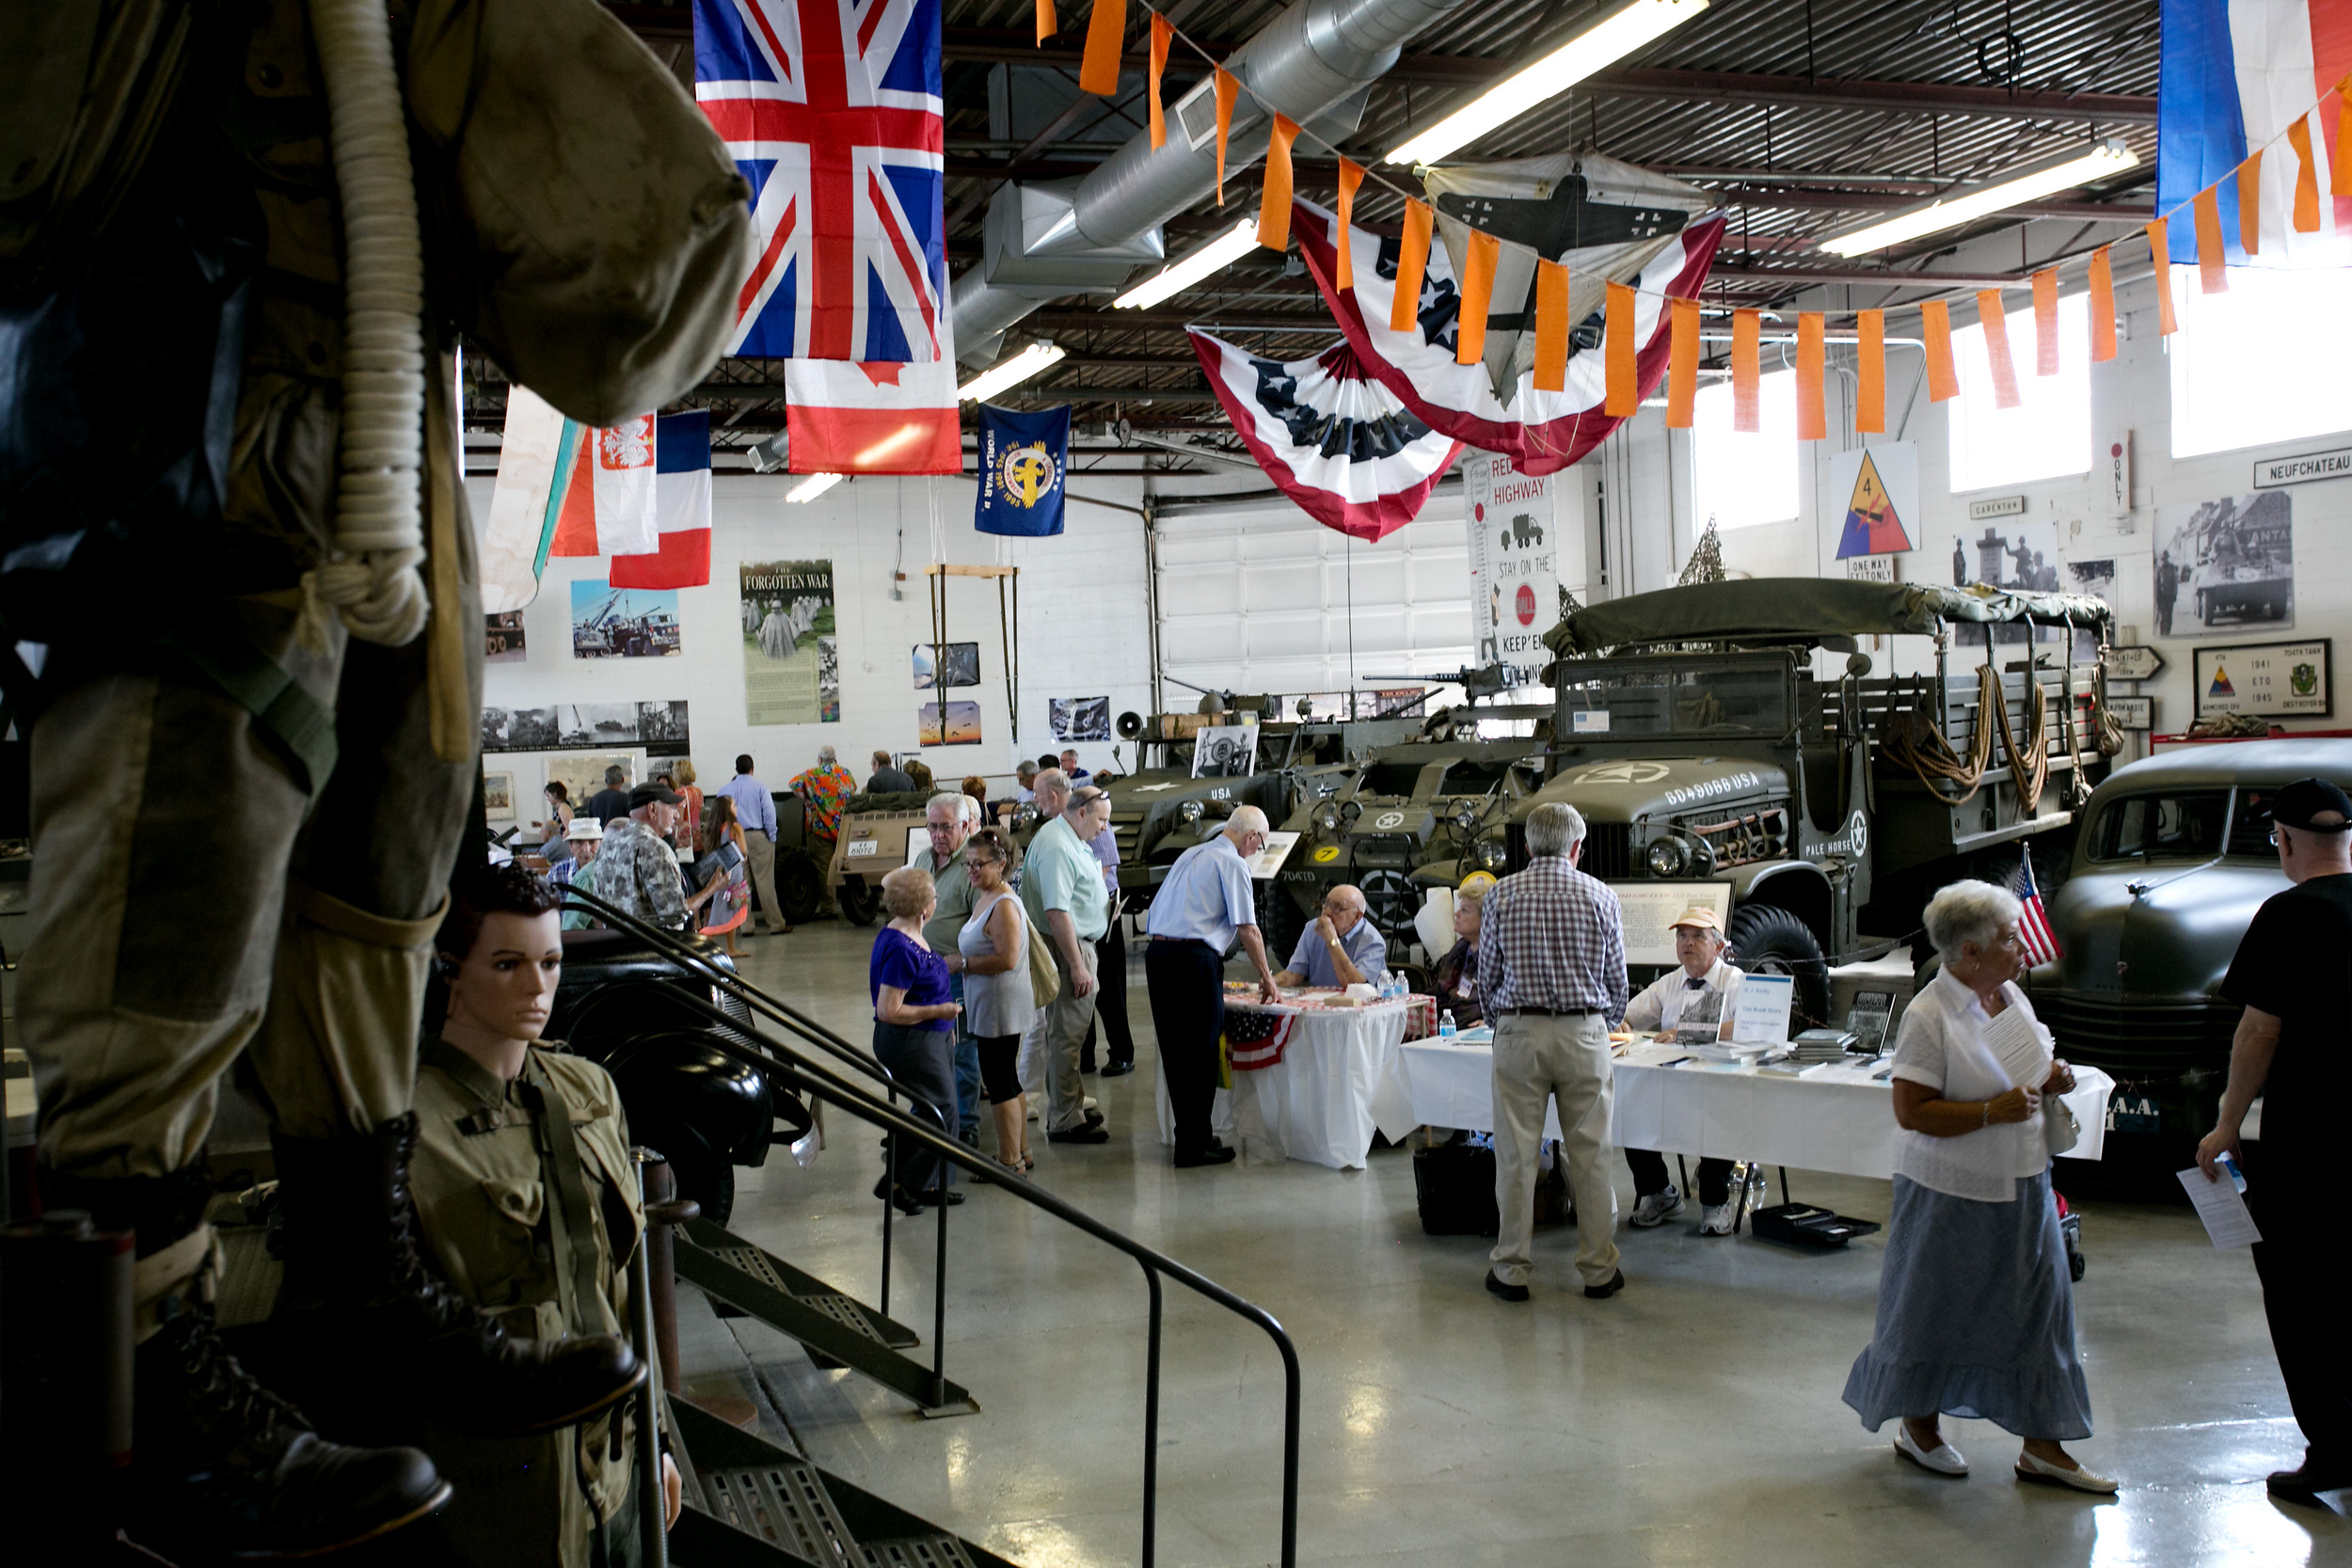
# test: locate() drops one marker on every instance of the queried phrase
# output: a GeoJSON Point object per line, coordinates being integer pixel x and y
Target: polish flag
{"type": "Point", "coordinates": [608, 504]}
{"type": "Point", "coordinates": [681, 507]}
{"type": "Point", "coordinates": [844, 416]}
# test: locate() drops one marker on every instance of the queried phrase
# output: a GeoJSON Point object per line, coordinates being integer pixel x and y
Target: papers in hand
{"type": "Point", "coordinates": [2017, 1044]}
{"type": "Point", "coordinates": [2223, 1208]}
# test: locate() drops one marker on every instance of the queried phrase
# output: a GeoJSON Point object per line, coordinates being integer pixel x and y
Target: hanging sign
{"type": "Point", "coordinates": [2271, 472]}
{"type": "Point", "coordinates": [2000, 506]}
{"type": "Point", "coordinates": [1023, 457]}
{"type": "Point", "coordinates": [2134, 663]}
{"type": "Point", "coordinates": [1516, 539]}
{"type": "Point", "coordinates": [1878, 488]}
{"type": "Point", "coordinates": [2269, 680]}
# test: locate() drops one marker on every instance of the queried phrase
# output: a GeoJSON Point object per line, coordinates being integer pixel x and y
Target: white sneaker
{"type": "Point", "coordinates": [1657, 1209]}
{"type": "Point", "coordinates": [2081, 1480]}
{"type": "Point", "coordinates": [1943, 1458]}
{"type": "Point", "coordinates": [1715, 1220]}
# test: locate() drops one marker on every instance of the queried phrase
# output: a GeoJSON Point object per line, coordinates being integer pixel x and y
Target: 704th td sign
{"type": "Point", "coordinates": [2266, 680]}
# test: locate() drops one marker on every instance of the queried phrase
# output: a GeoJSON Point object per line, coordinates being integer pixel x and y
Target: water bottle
{"type": "Point", "coordinates": [1445, 1024]}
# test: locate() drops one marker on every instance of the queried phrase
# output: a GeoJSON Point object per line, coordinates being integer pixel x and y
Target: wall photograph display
{"type": "Point", "coordinates": [660, 728]}
{"type": "Point", "coordinates": [503, 637]}
{"type": "Point", "coordinates": [1080, 718]}
{"type": "Point", "coordinates": [2268, 680]}
{"type": "Point", "coordinates": [623, 622]}
{"type": "Point", "coordinates": [498, 797]}
{"type": "Point", "coordinates": [962, 727]}
{"type": "Point", "coordinates": [963, 660]}
{"type": "Point", "coordinates": [791, 665]}
{"type": "Point", "coordinates": [2226, 563]}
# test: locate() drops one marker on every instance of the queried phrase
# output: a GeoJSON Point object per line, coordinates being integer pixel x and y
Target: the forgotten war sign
{"type": "Point", "coordinates": [790, 669]}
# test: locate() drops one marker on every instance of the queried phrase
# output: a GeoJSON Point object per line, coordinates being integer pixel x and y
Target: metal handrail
{"type": "Point", "coordinates": [814, 1078]}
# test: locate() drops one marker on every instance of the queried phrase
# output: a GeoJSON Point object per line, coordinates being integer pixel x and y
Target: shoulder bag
{"type": "Point", "coordinates": [1045, 979]}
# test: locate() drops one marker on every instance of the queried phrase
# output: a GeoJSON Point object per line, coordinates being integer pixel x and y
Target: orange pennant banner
{"type": "Point", "coordinates": [1412, 261]}
{"type": "Point", "coordinates": [2101, 307]}
{"type": "Point", "coordinates": [2339, 168]}
{"type": "Point", "coordinates": [2159, 251]}
{"type": "Point", "coordinates": [1623, 388]}
{"type": "Point", "coordinates": [1812, 419]}
{"type": "Point", "coordinates": [1274, 196]}
{"type": "Point", "coordinates": [1228, 88]}
{"type": "Point", "coordinates": [1747, 410]}
{"type": "Point", "coordinates": [1682, 362]}
{"type": "Point", "coordinates": [1870, 398]}
{"type": "Point", "coordinates": [2045, 336]}
{"type": "Point", "coordinates": [1106, 36]}
{"type": "Point", "coordinates": [2306, 178]}
{"type": "Point", "coordinates": [2249, 203]}
{"type": "Point", "coordinates": [1163, 31]}
{"type": "Point", "coordinates": [1552, 326]}
{"type": "Point", "coordinates": [1996, 322]}
{"type": "Point", "coordinates": [1478, 289]}
{"type": "Point", "coordinates": [1047, 24]}
{"type": "Point", "coordinates": [2212, 262]}
{"type": "Point", "coordinates": [1943, 381]}
{"type": "Point", "coordinates": [1344, 272]}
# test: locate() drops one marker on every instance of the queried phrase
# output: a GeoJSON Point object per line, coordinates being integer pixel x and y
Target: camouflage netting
{"type": "Point", "coordinates": [1706, 559]}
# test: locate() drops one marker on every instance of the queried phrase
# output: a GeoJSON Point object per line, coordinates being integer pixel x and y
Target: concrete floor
{"type": "Point", "coordinates": [1692, 1419]}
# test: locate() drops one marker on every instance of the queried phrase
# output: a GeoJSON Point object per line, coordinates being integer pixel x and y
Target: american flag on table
{"type": "Point", "coordinates": [1255, 1036]}
{"type": "Point", "coordinates": [2033, 927]}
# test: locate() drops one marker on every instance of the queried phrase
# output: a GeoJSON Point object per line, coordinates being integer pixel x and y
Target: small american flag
{"type": "Point", "coordinates": [1255, 1036]}
{"type": "Point", "coordinates": [2033, 927]}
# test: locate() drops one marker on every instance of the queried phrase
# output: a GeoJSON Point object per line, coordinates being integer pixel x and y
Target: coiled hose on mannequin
{"type": "Point", "coordinates": [377, 541]}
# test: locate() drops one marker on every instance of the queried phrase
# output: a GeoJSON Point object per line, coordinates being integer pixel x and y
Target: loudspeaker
{"type": "Point", "coordinates": [1130, 725]}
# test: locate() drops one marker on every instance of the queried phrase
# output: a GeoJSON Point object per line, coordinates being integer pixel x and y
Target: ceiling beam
{"type": "Point", "coordinates": [1870, 276]}
{"type": "Point", "coordinates": [1785, 200]}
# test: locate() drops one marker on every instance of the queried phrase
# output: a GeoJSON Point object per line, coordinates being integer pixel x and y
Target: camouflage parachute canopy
{"type": "Point", "coordinates": [1806, 610]}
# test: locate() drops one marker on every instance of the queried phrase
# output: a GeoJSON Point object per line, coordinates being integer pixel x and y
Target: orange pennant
{"type": "Point", "coordinates": [1478, 288]}
{"type": "Point", "coordinates": [2101, 307]}
{"type": "Point", "coordinates": [1107, 35]}
{"type": "Point", "coordinates": [1274, 196]}
{"type": "Point", "coordinates": [1624, 392]}
{"type": "Point", "coordinates": [2212, 262]}
{"type": "Point", "coordinates": [1413, 260]}
{"type": "Point", "coordinates": [2046, 337]}
{"type": "Point", "coordinates": [576, 514]}
{"type": "Point", "coordinates": [2249, 203]}
{"type": "Point", "coordinates": [2339, 171]}
{"type": "Point", "coordinates": [1682, 361]}
{"type": "Point", "coordinates": [1942, 380]}
{"type": "Point", "coordinates": [1344, 272]}
{"type": "Point", "coordinates": [1869, 400]}
{"type": "Point", "coordinates": [2306, 178]}
{"type": "Point", "coordinates": [1747, 329]}
{"type": "Point", "coordinates": [1162, 31]}
{"type": "Point", "coordinates": [1552, 326]}
{"type": "Point", "coordinates": [2159, 251]}
{"type": "Point", "coordinates": [1996, 323]}
{"type": "Point", "coordinates": [1812, 419]}
{"type": "Point", "coordinates": [1047, 24]}
{"type": "Point", "coordinates": [1228, 88]}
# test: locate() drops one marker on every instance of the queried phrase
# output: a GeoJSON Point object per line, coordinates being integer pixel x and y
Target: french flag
{"type": "Point", "coordinates": [2234, 75]}
{"type": "Point", "coordinates": [681, 508]}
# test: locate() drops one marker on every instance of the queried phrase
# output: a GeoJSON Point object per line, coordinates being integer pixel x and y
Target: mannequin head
{"type": "Point", "coordinates": [501, 951]}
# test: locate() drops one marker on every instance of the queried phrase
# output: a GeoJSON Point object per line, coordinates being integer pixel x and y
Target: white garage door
{"type": "Point", "coordinates": [1260, 601]}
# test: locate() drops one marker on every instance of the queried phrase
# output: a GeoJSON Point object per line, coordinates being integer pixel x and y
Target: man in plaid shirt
{"type": "Point", "coordinates": [1551, 976]}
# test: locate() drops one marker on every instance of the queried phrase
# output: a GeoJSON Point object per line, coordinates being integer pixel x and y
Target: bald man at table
{"type": "Point", "coordinates": [1341, 948]}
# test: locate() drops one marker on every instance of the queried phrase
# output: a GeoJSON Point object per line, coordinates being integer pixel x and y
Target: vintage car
{"type": "Point", "coordinates": [2173, 861]}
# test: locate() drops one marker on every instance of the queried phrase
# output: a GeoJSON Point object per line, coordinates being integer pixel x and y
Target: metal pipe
{"type": "Point", "coordinates": [1151, 1425]}
{"type": "Point", "coordinates": [664, 1210]}
{"type": "Point", "coordinates": [653, 1531]}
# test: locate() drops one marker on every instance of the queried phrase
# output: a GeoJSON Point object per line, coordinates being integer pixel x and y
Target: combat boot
{"type": "Point", "coordinates": [221, 1466]}
{"type": "Point", "coordinates": [374, 1319]}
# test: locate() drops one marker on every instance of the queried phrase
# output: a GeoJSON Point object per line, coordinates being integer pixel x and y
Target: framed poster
{"type": "Point", "coordinates": [963, 661]}
{"type": "Point", "coordinates": [2268, 680]}
{"type": "Point", "coordinates": [623, 622]}
{"type": "Point", "coordinates": [503, 639]}
{"type": "Point", "coordinates": [1080, 718]}
{"type": "Point", "coordinates": [2226, 563]}
{"type": "Point", "coordinates": [962, 727]}
{"type": "Point", "coordinates": [498, 797]}
{"type": "Point", "coordinates": [1225, 750]}
{"type": "Point", "coordinates": [791, 660]}
{"type": "Point", "coordinates": [1649, 910]}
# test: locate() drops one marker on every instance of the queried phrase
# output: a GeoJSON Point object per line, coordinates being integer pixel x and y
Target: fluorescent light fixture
{"type": "Point", "coordinates": [813, 486]}
{"type": "Point", "coordinates": [1955, 208]}
{"type": "Point", "coordinates": [1177, 277]}
{"type": "Point", "coordinates": [1009, 372]}
{"type": "Point", "coordinates": [1597, 48]}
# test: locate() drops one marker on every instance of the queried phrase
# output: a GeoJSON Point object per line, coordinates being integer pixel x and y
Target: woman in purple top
{"type": "Point", "coordinates": [914, 1032]}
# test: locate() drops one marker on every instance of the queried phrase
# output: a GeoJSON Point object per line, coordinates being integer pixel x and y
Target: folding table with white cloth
{"type": "Point", "coordinates": [1336, 1081]}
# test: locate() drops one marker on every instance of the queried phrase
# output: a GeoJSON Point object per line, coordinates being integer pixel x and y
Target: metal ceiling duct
{"type": "Point", "coordinates": [1310, 60]}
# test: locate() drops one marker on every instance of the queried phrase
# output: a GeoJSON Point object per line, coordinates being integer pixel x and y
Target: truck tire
{"type": "Point", "coordinates": [858, 900]}
{"type": "Point", "coordinates": [1278, 922]}
{"type": "Point", "coordinates": [1769, 941]}
{"type": "Point", "coordinates": [800, 886]}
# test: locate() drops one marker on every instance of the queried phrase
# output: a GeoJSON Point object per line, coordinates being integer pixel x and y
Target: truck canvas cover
{"type": "Point", "coordinates": [1778, 610]}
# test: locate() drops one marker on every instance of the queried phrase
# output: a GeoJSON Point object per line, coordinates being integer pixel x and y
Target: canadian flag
{"type": "Point", "coordinates": [681, 508]}
{"type": "Point", "coordinates": [843, 417]}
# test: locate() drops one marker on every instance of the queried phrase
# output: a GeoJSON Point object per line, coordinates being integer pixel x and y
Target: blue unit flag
{"type": "Point", "coordinates": [1023, 457]}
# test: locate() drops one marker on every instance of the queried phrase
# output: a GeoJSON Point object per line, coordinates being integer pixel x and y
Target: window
{"type": "Point", "coordinates": [2186, 825]}
{"type": "Point", "coordinates": [1743, 480]}
{"type": "Point", "coordinates": [2263, 362]}
{"type": "Point", "coordinates": [2047, 436]}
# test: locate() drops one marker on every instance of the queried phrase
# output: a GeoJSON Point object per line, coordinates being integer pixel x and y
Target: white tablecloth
{"type": "Point", "coordinates": [1837, 1119]}
{"type": "Point", "coordinates": [1337, 1080]}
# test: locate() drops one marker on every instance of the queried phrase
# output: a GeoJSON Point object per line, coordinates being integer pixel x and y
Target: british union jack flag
{"type": "Point", "coordinates": [832, 110]}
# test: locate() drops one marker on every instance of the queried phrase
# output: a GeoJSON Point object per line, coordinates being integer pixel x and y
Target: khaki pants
{"type": "Point", "coordinates": [1539, 1059]}
{"type": "Point", "coordinates": [1061, 1029]}
{"type": "Point", "coordinates": [763, 856]}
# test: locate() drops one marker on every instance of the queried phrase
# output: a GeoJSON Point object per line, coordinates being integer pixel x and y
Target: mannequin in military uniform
{"type": "Point", "coordinates": [529, 1203]}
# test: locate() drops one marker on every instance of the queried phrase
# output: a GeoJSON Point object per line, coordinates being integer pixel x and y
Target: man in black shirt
{"type": "Point", "coordinates": [611, 800]}
{"type": "Point", "coordinates": [2293, 1047]}
{"type": "Point", "coordinates": [888, 778]}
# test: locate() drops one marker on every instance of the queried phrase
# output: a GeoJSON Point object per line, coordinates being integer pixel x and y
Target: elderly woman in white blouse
{"type": "Point", "coordinates": [1975, 1309]}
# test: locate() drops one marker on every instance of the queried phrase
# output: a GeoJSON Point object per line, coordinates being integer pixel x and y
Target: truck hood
{"type": "Point", "coordinates": [1626, 789]}
{"type": "Point", "coordinates": [2174, 942]}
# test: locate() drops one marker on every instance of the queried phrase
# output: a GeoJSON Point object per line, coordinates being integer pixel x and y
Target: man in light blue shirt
{"type": "Point", "coordinates": [755, 810]}
{"type": "Point", "coordinates": [1061, 889]}
{"type": "Point", "coordinates": [1341, 948]}
{"type": "Point", "coordinates": [1204, 906]}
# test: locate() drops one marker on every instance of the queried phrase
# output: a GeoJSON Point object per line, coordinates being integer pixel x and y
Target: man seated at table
{"type": "Point", "coordinates": [1341, 948]}
{"type": "Point", "coordinates": [1700, 992]}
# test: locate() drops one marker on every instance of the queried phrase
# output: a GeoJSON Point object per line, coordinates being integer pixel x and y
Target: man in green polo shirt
{"type": "Point", "coordinates": [1061, 887]}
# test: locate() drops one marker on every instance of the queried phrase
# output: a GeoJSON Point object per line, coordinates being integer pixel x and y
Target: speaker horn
{"type": "Point", "coordinates": [1130, 726]}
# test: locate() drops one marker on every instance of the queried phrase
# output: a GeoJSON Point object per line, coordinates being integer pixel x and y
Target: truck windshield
{"type": "Point", "coordinates": [2249, 825]}
{"type": "Point", "coordinates": [1679, 701]}
{"type": "Point", "coordinates": [2185, 825]}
